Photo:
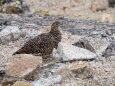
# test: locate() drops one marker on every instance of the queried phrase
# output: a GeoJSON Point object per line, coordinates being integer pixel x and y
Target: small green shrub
{"type": "Point", "coordinates": [42, 12]}
{"type": "Point", "coordinates": [1, 11]}
{"type": "Point", "coordinates": [13, 10]}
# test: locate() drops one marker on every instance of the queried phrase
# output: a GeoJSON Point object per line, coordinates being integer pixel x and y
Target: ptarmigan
{"type": "Point", "coordinates": [42, 44]}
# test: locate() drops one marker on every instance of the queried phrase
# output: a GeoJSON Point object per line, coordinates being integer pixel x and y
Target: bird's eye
{"type": "Point", "coordinates": [56, 24]}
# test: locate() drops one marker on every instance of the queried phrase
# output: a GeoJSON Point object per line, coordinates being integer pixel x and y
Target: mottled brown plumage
{"type": "Point", "coordinates": [42, 44]}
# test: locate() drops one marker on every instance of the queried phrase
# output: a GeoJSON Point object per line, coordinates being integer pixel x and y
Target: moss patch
{"type": "Point", "coordinates": [42, 12]}
{"type": "Point", "coordinates": [13, 10]}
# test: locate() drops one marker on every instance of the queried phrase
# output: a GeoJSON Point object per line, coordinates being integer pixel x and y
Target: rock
{"type": "Point", "coordinates": [21, 83]}
{"type": "Point", "coordinates": [69, 38]}
{"type": "Point", "coordinates": [10, 33]}
{"type": "Point", "coordinates": [113, 35]}
{"type": "Point", "coordinates": [95, 7]}
{"type": "Point", "coordinates": [24, 67]}
{"type": "Point", "coordinates": [32, 4]}
{"type": "Point", "coordinates": [68, 52]}
{"type": "Point", "coordinates": [30, 34]}
{"type": "Point", "coordinates": [107, 18]}
{"type": "Point", "coordinates": [110, 50]}
{"type": "Point", "coordinates": [111, 3]}
{"type": "Point", "coordinates": [83, 72]}
{"type": "Point", "coordinates": [94, 44]}
{"type": "Point", "coordinates": [2, 72]}
{"type": "Point", "coordinates": [73, 72]}
{"type": "Point", "coordinates": [8, 81]}
{"type": "Point", "coordinates": [100, 5]}
{"type": "Point", "coordinates": [4, 22]}
{"type": "Point", "coordinates": [50, 81]}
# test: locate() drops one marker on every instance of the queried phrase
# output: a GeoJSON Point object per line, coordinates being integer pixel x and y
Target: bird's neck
{"type": "Point", "coordinates": [54, 30]}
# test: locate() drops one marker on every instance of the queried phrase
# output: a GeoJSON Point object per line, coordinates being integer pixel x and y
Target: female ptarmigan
{"type": "Point", "coordinates": [42, 44]}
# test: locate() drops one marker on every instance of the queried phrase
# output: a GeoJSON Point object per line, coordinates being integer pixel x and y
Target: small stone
{"type": "Point", "coordinates": [24, 66]}
{"type": "Point", "coordinates": [95, 8]}
{"type": "Point", "coordinates": [82, 72]}
{"type": "Point", "coordinates": [68, 52]}
{"type": "Point", "coordinates": [2, 72]}
{"type": "Point", "coordinates": [110, 51]}
{"type": "Point", "coordinates": [21, 83]}
{"type": "Point", "coordinates": [107, 18]}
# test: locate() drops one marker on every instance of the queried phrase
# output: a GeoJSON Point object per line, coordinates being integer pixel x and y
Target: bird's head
{"type": "Point", "coordinates": [55, 25]}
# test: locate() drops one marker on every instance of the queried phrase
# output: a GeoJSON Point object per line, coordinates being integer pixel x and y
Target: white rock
{"type": "Point", "coordinates": [10, 33]}
{"type": "Point", "coordinates": [69, 52]}
{"type": "Point", "coordinates": [48, 81]}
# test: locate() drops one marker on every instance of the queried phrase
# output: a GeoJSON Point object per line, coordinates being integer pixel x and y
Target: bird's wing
{"type": "Point", "coordinates": [45, 40]}
{"type": "Point", "coordinates": [40, 41]}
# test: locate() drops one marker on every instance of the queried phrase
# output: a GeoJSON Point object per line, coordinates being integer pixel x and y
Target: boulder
{"type": "Point", "coordinates": [94, 44]}
{"type": "Point", "coordinates": [110, 50]}
{"type": "Point", "coordinates": [10, 33]}
{"type": "Point", "coordinates": [24, 67]}
{"type": "Point", "coordinates": [68, 52]}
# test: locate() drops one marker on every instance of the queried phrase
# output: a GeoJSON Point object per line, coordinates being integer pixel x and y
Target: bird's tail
{"type": "Point", "coordinates": [18, 52]}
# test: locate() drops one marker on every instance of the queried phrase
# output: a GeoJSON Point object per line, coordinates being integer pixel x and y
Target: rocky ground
{"type": "Point", "coordinates": [85, 56]}
{"type": "Point", "coordinates": [75, 9]}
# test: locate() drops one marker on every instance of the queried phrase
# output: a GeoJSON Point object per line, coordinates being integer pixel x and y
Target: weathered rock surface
{"type": "Point", "coordinates": [64, 5]}
{"type": "Point", "coordinates": [23, 67]}
{"type": "Point", "coordinates": [110, 50]}
{"type": "Point", "coordinates": [10, 33]}
{"type": "Point", "coordinates": [107, 18]}
{"type": "Point", "coordinates": [2, 72]}
{"type": "Point", "coordinates": [102, 75]}
{"type": "Point", "coordinates": [69, 38]}
{"type": "Point", "coordinates": [95, 44]}
{"type": "Point", "coordinates": [49, 81]}
{"type": "Point", "coordinates": [79, 27]}
{"type": "Point", "coordinates": [77, 71]}
{"type": "Point", "coordinates": [68, 52]}
{"type": "Point", "coordinates": [7, 81]}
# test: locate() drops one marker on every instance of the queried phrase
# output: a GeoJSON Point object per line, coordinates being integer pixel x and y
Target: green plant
{"type": "Point", "coordinates": [42, 12]}
{"type": "Point", "coordinates": [13, 10]}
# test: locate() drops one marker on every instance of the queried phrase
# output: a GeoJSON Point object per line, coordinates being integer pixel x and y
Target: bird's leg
{"type": "Point", "coordinates": [37, 54]}
{"type": "Point", "coordinates": [46, 56]}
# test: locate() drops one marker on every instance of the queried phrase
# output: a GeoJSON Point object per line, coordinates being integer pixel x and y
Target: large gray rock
{"type": "Point", "coordinates": [95, 44]}
{"type": "Point", "coordinates": [68, 52]}
{"type": "Point", "coordinates": [10, 33]}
